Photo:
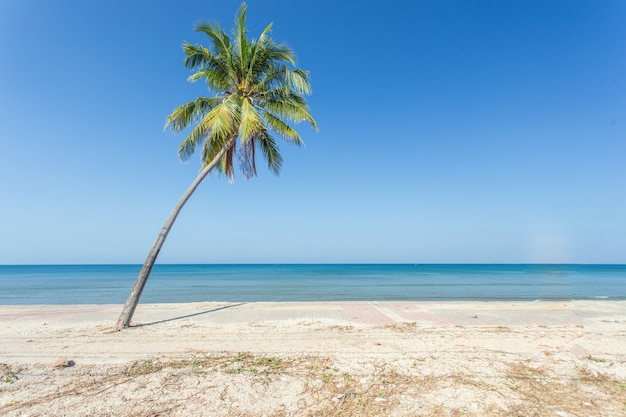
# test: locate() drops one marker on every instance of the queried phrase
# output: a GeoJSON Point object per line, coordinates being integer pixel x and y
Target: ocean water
{"type": "Point", "coordinates": [110, 284]}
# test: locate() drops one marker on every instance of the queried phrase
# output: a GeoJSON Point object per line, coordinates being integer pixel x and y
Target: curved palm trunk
{"type": "Point", "coordinates": [133, 298]}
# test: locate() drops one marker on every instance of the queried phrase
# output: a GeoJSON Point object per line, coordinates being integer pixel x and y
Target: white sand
{"type": "Point", "coordinates": [305, 359]}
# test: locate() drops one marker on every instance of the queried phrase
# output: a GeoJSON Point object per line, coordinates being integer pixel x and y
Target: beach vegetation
{"type": "Point", "coordinates": [402, 327]}
{"type": "Point", "coordinates": [7, 375]}
{"type": "Point", "coordinates": [9, 378]}
{"type": "Point", "coordinates": [258, 95]}
{"type": "Point", "coordinates": [314, 386]}
{"type": "Point", "coordinates": [143, 367]}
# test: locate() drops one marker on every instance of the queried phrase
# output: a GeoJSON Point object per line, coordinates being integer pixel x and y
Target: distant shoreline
{"type": "Point", "coordinates": [495, 264]}
{"type": "Point", "coordinates": [110, 284]}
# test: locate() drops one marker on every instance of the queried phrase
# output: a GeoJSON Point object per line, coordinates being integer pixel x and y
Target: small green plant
{"type": "Point", "coordinates": [247, 362]}
{"type": "Point", "coordinates": [234, 371]}
{"type": "Point", "coordinates": [6, 375]}
{"type": "Point", "coordinates": [145, 367]}
{"type": "Point", "coordinates": [10, 378]}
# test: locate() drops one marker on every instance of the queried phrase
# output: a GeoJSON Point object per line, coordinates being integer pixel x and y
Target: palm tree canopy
{"type": "Point", "coordinates": [258, 93]}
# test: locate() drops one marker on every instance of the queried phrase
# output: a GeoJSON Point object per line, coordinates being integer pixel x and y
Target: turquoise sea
{"type": "Point", "coordinates": [110, 284]}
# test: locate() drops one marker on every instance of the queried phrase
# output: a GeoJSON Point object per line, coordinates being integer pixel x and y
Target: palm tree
{"type": "Point", "coordinates": [257, 93]}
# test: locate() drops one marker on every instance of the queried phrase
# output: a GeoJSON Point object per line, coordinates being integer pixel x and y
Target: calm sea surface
{"type": "Point", "coordinates": [110, 284]}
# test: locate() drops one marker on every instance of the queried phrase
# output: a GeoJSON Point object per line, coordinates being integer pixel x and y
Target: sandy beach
{"type": "Point", "coordinates": [316, 359]}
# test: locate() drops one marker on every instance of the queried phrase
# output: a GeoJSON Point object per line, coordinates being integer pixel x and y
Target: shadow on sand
{"type": "Point", "coordinates": [187, 316]}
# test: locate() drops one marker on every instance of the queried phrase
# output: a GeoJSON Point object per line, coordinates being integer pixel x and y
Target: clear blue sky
{"type": "Point", "coordinates": [450, 131]}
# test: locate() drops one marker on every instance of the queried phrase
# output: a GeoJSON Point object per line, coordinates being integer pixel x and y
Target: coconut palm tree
{"type": "Point", "coordinates": [257, 94]}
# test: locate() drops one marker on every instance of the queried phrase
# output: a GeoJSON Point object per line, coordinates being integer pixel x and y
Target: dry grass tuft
{"type": "Point", "coordinates": [586, 391]}
{"type": "Point", "coordinates": [403, 327]}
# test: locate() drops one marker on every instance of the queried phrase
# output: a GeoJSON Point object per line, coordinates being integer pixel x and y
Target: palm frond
{"type": "Point", "coordinates": [227, 164]}
{"type": "Point", "coordinates": [282, 128]}
{"type": "Point", "coordinates": [246, 159]}
{"type": "Point", "coordinates": [190, 113]}
{"type": "Point", "coordinates": [219, 38]}
{"type": "Point", "coordinates": [241, 39]}
{"type": "Point", "coordinates": [250, 121]}
{"type": "Point", "coordinates": [213, 145]}
{"type": "Point", "coordinates": [215, 69]}
{"type": "Point", "coordinates": [270, 152]}
{"type": "Point", "coordinates": [257, 51]}
{"type": "Point", "coordinates": [181, 117]}
{"type": "Point", "coordinates": [275, 78]}
{"type": "Point", "coordinates": [292, 107]}
{"type": "Point", "coordinates": [299, 80]}
{"type": "Point", "coordinates": [281, 53]}
{"type": "Point", "coordinates": [215, 78]}
{"type": "Point", "coordinates": [283, 78]}
{"type": "Point", "coordinates": [195, 55]}
{"type": "Point", "coordinates": [224, 118]}
{"type": "Point", "coordinates": [191, 142]}
{"type": "Point", "coordinates": [263, 38]}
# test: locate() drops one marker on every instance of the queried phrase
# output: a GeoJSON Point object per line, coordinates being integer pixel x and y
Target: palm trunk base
{"type": "Point", "coordinates": [133, 299]}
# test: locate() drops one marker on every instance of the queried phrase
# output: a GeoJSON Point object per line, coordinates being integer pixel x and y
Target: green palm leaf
{"type": "Point", "coordinates": [270, 152]}
{"type": "Point", "coordinates": [282, 128]}
{"type": "Point", "coordinates": [257, 89]}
